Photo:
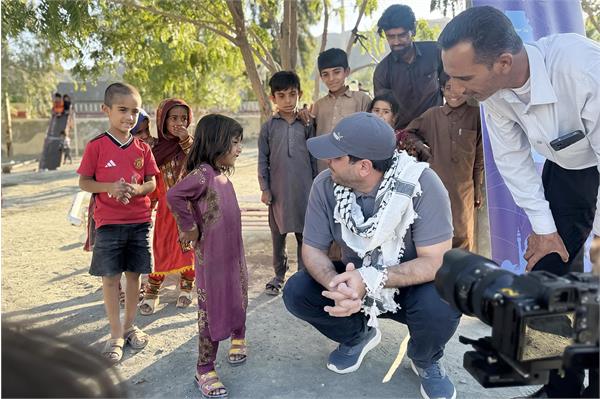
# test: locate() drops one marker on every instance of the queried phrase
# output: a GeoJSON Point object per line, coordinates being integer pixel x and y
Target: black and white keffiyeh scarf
{"type": "Point", "coordinates": [379, 240]}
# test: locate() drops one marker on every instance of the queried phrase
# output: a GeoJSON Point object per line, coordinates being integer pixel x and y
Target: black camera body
{"type": "Point", "coordinates": [540, 321]}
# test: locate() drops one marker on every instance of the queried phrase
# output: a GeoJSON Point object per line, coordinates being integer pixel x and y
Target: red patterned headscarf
{"type": "Point", "coordinates": [167, 147]}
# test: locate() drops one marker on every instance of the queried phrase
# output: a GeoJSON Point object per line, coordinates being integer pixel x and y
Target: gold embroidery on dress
{"type": "Point", "coordinates": [205, 350]}
{"type": "Point", "coordinates": [201, 320]}
{"type": "Point", "coordinates": [201, 295]}
{"type": "Point", "coordinates": [212, 208]}
{"type": "Point", "coordinates": [244, 284]}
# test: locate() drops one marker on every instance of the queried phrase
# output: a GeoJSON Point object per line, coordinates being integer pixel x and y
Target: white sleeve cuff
{"type": "Point", "coordinates": [543, 223]}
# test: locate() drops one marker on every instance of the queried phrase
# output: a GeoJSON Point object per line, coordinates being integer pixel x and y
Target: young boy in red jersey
{"type": "Point", "coordinates": [119, 169]}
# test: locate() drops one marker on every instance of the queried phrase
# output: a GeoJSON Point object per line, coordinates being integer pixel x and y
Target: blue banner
{"type": "Point", "coordinates": [509, 225]}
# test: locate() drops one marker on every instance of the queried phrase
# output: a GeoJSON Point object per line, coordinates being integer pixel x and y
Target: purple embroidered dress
{"type": "Point", "coordinates": [205, 198]}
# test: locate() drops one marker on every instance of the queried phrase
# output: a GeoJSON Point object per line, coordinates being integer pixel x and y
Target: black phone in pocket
{"type": "Point", "coordinates": [568, 139]}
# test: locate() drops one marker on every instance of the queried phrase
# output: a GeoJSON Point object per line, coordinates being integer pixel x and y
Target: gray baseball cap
{"type": "Point", "coordinates": [362, 135]}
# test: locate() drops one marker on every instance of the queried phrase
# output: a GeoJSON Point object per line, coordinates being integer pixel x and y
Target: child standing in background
{"type": "Point", "coordinates": [386, 107]}
{"type": "Point", "coordinates": [141, 130]}
{"type": "Point", "coordinates": [172, 120]}
{"type": "Point", "coordinates": [453, 132]}
{"type": "Point", "coordinates": [285, 172]}
{"type": "Point", "coordinates": [208, 216]}
{"type": "Point", "coordinates": [58, 106]}
{"type": "Point", "coordinates": [340, 101]}
{"type": "Point", "coordinates": [119, 169]}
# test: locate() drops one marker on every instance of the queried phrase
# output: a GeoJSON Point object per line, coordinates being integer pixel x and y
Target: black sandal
{"type": "Point", "coordinates": [274, 287]}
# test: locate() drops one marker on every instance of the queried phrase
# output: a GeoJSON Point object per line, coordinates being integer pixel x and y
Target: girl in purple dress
{"type": "Point", "coordinates": [208, 217]}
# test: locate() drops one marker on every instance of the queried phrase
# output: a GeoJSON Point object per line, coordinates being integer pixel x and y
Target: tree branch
{"type": "Point", "coordinates": [176, 17]}
{"type": "Point", "coordinates": [271, 61]}
{"type": "Point", "coordinates": [353, 36]}
{"type": "Point", "coordinates": [272, 69]}
{"type": "Point", "coordinates": [362, 67]}
{"type": "Point", "coordinates": [322, 48]}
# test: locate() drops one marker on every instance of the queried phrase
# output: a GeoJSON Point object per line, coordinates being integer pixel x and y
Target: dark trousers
{"type": "Point", "coordinates": [280, 259]}
{"type": "Point", "coordinates": [572, 196]}
{"type": "Point", "coordinates": [431, 321]}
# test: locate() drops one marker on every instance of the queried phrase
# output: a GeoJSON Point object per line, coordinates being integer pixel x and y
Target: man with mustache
{"type": "Point", "coordinates": [542, 95]}
{"type": "Point", "coordinates": [411, 70]}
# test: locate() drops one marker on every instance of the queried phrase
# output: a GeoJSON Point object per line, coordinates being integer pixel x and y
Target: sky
{"type": "Point", "coordinates": [419, 7]}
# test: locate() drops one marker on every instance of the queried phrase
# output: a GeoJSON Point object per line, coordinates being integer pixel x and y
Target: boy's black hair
{"type": "Point", "coordinates": [397, 16]}
{"type": "Point", "coordinates": [389, 98]}
{"type": "Point", "coordinates": [57, 95]}
{"type": "Point", "coordinates": [489, 31]}
{"type": "Point", "coordinates": [284, 80]}
{"type": "Point", "coordinates": [332, 58]}
{"type": "Point", "coordinates": [212, 139]}
{"type": "Point", "coordinates": [444, 78]}
{"type": "Point", "coordinates": [41, 363]}
{"type": "Point", "coordinates": [119, 89]}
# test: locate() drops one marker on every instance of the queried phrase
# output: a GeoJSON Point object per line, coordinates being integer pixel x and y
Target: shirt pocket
{"type": "Point", "coordinates": [463, 146]}
{"type": "Point", "coordinates": [574, 155]}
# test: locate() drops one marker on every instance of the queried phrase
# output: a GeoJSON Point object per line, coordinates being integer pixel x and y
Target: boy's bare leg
{"type": "Point", "coordinates": [132, 289]}
{"type": "Point", "coordinates": [110, 292]}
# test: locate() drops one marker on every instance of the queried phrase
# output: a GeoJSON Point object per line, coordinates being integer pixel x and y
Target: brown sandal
{"type": "Point", "coordinates": [274, 287]}
{"type": "Point", "coordinates": [136, 338]}
{"type": "Point", "coordinates": [210, 385]}
{"type": "Point", "coordinates": [238, 352]}
{"type": "Point", "coordinates": [113, 350]}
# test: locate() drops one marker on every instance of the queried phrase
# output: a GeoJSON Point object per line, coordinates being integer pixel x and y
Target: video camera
{"type": "Point", "coordinates": [539, 321]}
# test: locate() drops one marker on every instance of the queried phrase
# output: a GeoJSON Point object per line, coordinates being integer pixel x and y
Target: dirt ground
{"type": "Point", "coordinates": [45, 282]}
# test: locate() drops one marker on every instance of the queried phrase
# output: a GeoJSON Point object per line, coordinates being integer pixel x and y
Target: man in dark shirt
{"type": "Point", "coordinates": [411, 70]}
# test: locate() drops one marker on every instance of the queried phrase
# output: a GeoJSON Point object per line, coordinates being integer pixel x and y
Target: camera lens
{"type": "Point", "coordinates": [469, 282]}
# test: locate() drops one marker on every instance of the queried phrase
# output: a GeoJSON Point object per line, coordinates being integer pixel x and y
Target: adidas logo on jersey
{"type": "Point", "coordinates": [110, 164]}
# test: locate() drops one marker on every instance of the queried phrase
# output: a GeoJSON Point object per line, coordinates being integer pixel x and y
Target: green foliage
{"type": "Point", "coordinates": [29, 74]}
{"type": "Point", "coordinates": [164, 47]}
{"type": "Point", "coordinates": [591, 31]}
{"type": "Point", "coordinates": [426, 32]}
{"type": "Point", "coordinates": [453, 6]}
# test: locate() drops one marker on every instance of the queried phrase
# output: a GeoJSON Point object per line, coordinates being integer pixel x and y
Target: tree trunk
{"type": "Point", "coordinates": [353, 36]}
{"type": "Point", "coordinates": [322, 48]}
{"type": "Point", "coordinates": [293, 34]}
{"type": "Point", "coordinates": [8, 125]}
{"type": "Point", "coordinates": [284, 45]}
{"type": "Point", "coordinates": [237, 12]}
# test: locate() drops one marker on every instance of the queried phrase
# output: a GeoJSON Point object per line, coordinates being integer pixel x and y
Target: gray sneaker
{"type": "Point", "coordinates": [435, 383]}
{"type": "Point", "coordinates": [346, 359]}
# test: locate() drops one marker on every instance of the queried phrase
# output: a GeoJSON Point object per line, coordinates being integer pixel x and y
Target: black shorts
{"type": "Point", "coordinates": [121, 248]}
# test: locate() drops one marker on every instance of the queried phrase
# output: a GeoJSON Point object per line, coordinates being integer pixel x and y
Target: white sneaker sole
{"type": "Point", "coordinates": [423, 393]}
{"type": "Point", "coordinates": [370, 345]}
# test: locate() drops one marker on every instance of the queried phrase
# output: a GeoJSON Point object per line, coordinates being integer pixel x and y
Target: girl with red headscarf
{"type": "Point", "coordinates": [170, 256]}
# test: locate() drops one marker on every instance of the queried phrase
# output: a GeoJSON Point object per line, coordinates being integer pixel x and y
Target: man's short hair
{"type": "Point", "coordinates": [332, 58]}
{"type": "Point", "coordinates": [284, 80]}
{"type": "Point", "coordinates": [397, 16]}
{"type": "Point", "coordinates": [119, 89]}
{"type": "Point", "coordinates": [57, 94]}
{"type": "Point", "coordinates": [381, 165]}
{"type": "Point", "coordinates": [489, 31]}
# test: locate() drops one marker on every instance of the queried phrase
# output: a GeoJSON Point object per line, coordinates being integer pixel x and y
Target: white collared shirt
{"type": "Point", "coordinates": [564, 97]}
